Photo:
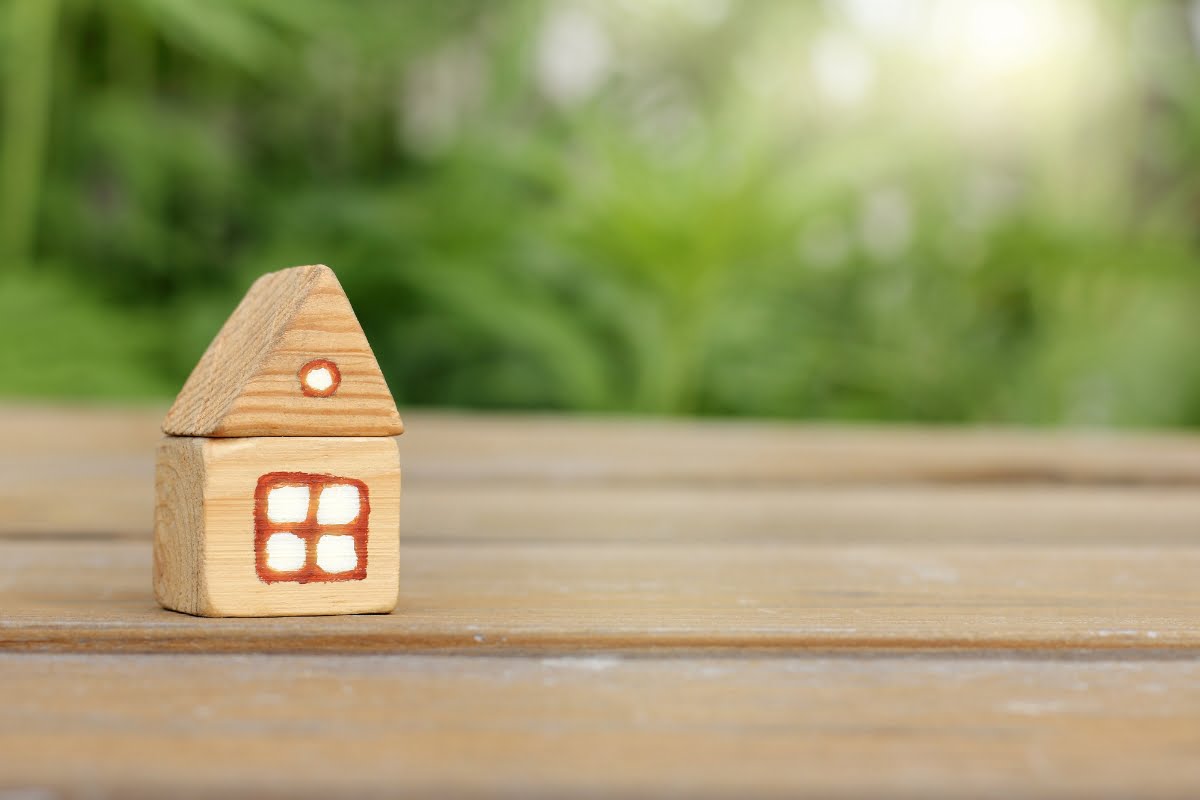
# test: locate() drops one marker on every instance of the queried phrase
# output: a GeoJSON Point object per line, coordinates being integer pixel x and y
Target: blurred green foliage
{"type": "Point", "coordinates": [922, 210]}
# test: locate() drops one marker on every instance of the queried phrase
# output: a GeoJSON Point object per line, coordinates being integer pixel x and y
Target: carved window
{"type": "Point", "coordinates": [310, 528]}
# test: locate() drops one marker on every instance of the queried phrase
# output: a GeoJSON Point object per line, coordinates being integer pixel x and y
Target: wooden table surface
{"type": "Point", "coordinates": [641, 608]}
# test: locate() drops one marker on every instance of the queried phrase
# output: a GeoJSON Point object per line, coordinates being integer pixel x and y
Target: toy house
{"type": "Point", "coordinates": [278, 481]}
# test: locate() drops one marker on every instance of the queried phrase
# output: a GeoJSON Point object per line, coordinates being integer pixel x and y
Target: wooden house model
{"type": "Point", "coordinates": [278, 480]}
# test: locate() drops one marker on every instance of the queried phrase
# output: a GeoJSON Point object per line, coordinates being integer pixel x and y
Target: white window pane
{"type": "Point", "coordinates": [285, 552]}
{"type": "Point", "coordinates": [319, 379]}
{"type": "Point", "coordinates": [336, 553]}
{"type": "Point", "coordinates": [338, 504]}
{"type": "Point", "coordinates": [287, 504]}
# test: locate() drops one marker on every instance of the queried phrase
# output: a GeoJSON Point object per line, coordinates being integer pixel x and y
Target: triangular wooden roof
{"type": "Point", "coordinates": [249, 381]}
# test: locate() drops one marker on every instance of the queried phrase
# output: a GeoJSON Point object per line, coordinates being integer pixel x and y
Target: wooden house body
{"type": "Point", "coordinates": [278, 480]}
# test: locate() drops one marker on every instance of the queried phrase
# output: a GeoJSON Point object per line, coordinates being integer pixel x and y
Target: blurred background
{"type": "Point", "coordinates": [955, 211]}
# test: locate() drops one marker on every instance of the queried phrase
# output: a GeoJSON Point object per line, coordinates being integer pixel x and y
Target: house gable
{"type": "Point", "coordinates": [292, 360]}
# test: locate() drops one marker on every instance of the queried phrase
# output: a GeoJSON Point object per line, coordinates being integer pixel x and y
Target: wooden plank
{"type": "Point", "coordinates": [1031, 515]}
{"type": "Point", "coordinates": [106, 461]}
{"type": "Point", "coordinates": [105, 457]}
{"type": "Point", "coordinates": [301, 726]}
{"type": "Point", "coordinates": [627, 608]}
{"type": "Point", "coordinates": [629, 597]}
{"type": "Point", "coordinates": [49, 443]}
{"type": "Point", "coordinates": [707, 452]}
{"type": "Point", "coordinates": [116, 506]}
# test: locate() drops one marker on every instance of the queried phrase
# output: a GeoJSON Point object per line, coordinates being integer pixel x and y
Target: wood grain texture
{"type": "Point", "coordinates": [895, 516]}
{"type": "Point", "coordinates": [632, 609]}
{"type": "Point", "coordinates": [248, 381]}
{"type": "Point", "coordinates": [600, 726]}
{"type": "Point", "coordinates": [625, 597]}
{"type": "Point", "coordinates": [204, 542]}
{"type": "Point", "coordinates": [107, 455]}
{"type": "Point", "coordinates": [702, 454]}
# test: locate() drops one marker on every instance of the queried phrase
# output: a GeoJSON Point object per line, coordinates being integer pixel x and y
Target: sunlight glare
{"type": "Point", "coordinates": [999, 38]}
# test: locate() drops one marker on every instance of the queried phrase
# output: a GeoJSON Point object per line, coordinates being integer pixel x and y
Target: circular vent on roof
{"type": "Point", "coordinates": [320, 378]}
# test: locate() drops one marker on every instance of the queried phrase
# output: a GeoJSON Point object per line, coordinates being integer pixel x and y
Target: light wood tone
{"type": "Point", "coordinates": [894, 516]}
{"type": "Point", "coordinates": [600, 726]}
{"type": "Point", "coordinates": [247, 382]}
{"type": "Point", "coordinates": [521, 449]}
{"type": "Point", "coordinates": [180, 526]}
{"type": "Point", "coordinates": [120, 503]}
{"type": "Point", "coordinates": [524, 597]}
{"type": "Point", "coordinates": [633, 609]}
{"type": "Point", "coordinates": [204, 559]}
{"type": "Point", "coordinates": [506, 464]}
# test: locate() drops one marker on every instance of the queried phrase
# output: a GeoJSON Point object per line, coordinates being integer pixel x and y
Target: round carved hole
{"type": "Point", "coordinates": [320, 378]}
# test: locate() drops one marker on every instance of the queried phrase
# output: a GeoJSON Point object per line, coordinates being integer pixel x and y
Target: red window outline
{"type": "Point", "coordinates": [309, 530]}
{"type": "Point", "coordinates": [320, 363]}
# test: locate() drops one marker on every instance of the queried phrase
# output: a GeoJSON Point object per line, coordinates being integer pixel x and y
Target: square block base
{"type": "Point", "coordinates": [205, 526]}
